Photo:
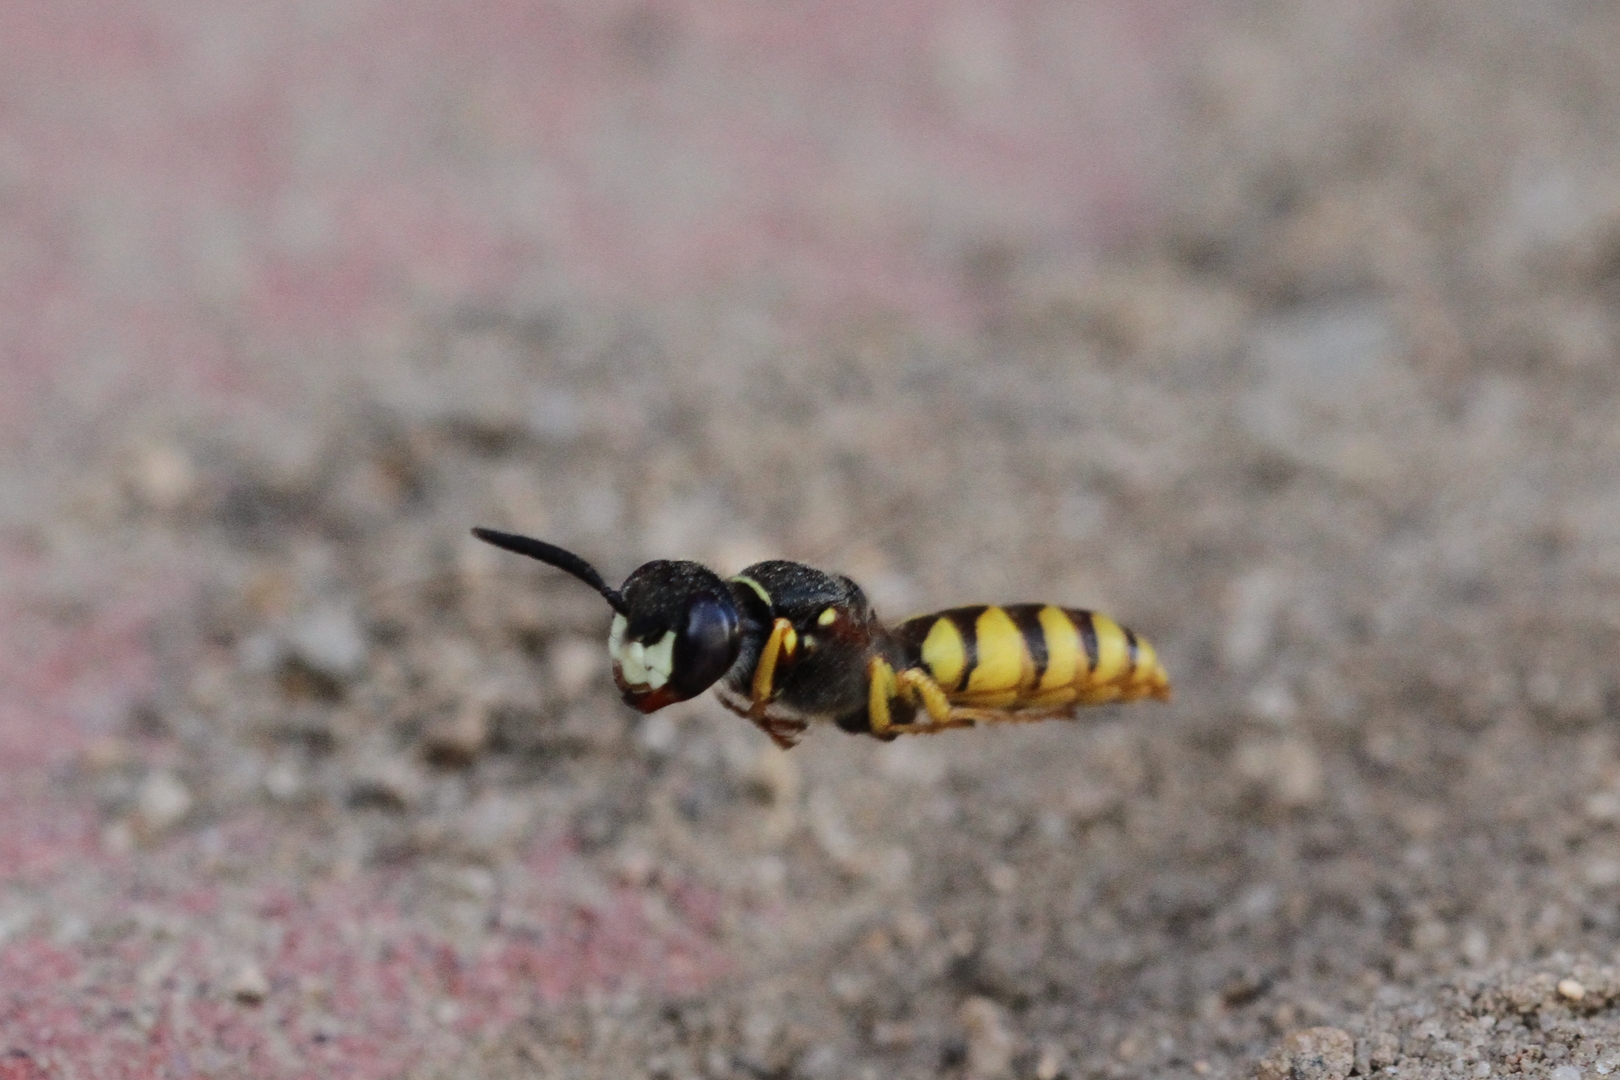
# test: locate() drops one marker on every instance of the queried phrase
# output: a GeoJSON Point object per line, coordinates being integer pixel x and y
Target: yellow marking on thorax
{"type": "Point", "coordinates": [1065, 655]}
{"type": "Point", "coordinates": [1004, 661]}
{"type": "Point", "coordinates": [1113, 654]}
{"type": "Point", "coordinates": [943, 653]}
{"type": "Point", "coordinates": [759, 589]}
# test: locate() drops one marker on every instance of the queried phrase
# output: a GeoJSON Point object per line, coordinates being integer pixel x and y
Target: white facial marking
{"type": "Point", "coordinates": [641, 665]}
{"type": "Point", "coordinates": [616, 637]}
{"type": "Point", "coordinates": [660, 660]}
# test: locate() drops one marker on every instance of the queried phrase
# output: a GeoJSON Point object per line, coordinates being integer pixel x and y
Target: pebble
{"type": "Point", "coordinates": [248, 985]}
{"type": "Point", "coordinates": [990, 1044]}
{"type": "Point", "coordinates": [329, 640]}
{"type": "Point", "coordinates": [163, 477]}
{"type": "Point", "coordinates": [161, 803]}
{"type": "Point", "coordinates": [282, 781]}
{"type": "Point", "coordinates": [393, 782]}
{"type": "Point", "coordinates": [1320, 1053]}
{"type": "Point", "coordinates": [1254, 605]}
{"type": "Point", "coordinates": [1287, 768]}
{"type": "Point", "coordinates": [106, 753]}
{"type": "Point", "coordinates": [1566, 1072]}
{"type": "Point", "coordinates": [1571, 989]}
{"type": "Point", "coordinates": [1603, 806]}
{"type": "Point", "coordinates": [912, 927]}
{"type": "Point", "coordinates": [457, 737]}
{"type": "Point", "coordinates": [635, 868]}
{"type": "Point", "coordinates": [658, 734]}
{"type": "Point", "coordinates": [893, 1034]}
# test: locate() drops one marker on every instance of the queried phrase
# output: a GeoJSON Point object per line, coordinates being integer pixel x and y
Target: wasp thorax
{"type": "Point", "coordinates": [681, 633]}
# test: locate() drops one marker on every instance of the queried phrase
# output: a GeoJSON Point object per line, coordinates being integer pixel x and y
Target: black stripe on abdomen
{"type": "Point", "coordinates": [966, 621]}
{"type": "Point", "coordinates": [1027, 617]}
{"type": "Point", "coordinates": [1088, 637]}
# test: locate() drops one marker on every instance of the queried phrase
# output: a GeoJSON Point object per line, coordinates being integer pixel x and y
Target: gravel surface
{"type": "Point", "coordinates": [302, 779]}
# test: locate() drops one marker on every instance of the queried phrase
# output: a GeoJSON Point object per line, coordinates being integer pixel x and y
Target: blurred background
{"type": "Point", "coordinates": [1283, 332]}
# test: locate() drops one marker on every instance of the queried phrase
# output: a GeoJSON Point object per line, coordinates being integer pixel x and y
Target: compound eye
{"type": "Point", "coordinates": [706, 646]}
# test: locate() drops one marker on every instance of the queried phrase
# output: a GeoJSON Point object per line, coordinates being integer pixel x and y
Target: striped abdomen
{"type": "Point", "coordinates": [1031, 656]}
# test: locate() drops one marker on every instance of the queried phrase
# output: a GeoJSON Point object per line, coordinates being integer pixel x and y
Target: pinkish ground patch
{"type": "Point", "coordinates": [189, 190]}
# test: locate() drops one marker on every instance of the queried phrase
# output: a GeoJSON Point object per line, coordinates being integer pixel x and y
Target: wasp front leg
{"type": "Point", "coordinates": [783, 642]}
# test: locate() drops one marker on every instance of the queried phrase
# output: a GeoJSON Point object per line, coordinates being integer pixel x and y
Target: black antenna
{"type": "Point", "coordinates": [552, 555]}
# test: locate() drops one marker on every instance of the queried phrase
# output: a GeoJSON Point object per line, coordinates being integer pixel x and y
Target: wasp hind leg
{"type": "Point", "coordinates": [917, 688]}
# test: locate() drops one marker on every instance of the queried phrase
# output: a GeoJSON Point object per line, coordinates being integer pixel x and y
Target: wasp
{"type": "Point", "coordinates": [789, 646]}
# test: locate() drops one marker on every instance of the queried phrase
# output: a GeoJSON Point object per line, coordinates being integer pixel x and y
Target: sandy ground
{"type": "Point", "coordinates": [1287, 334]}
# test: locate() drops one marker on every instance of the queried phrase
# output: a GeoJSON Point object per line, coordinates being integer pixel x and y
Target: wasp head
{"type": "Point", "coordinates": [676, 629]}
{"type": "Point", "coordinates": [681, 632]}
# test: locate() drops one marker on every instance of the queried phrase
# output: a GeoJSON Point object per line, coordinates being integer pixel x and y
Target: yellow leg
{"type": "Point", "coordinates": [783, 640]}
{"type": "Point", "coordinates": [880, 690]}
{"type": "Point", "coordinates": [923, 689]}
{"type": "Point", "coordinates": [919, 688]}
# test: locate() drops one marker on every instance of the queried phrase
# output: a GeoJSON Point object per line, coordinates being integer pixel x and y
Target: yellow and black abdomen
{"type": "Point", "coordinates": [1031, 657]}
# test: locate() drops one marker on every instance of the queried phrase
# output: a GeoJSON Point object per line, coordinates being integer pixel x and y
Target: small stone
{"type": "Point", "coordinates": [912, 927]}
{"type": "Point", "coordinates": [118, 838]}
{"type": "Point", "coordinates": [1049, 1066]}
{"type": "Point", "coordinates": [1254, 605]}
{"type": "Point", "coordinates": [1003, 878]}
{"type": "Point", "coordinates": [1429, 935]}
{"type": "Point", "coordinates": [849, 988]}
{"type": "Point", "coordinates": [107, 753]}
{"type": "Point", "coordinates": [893, 1034]}
{"type": "Point", "coordinates": [161, 803]}
{"type": "Point", "coordinates": [329, 641]}
{"type": "Point", "coordinates": [393, 783]}
{"type": "Point", "coordinates": [163, 477]}
{"type": "Point", "coordinates": [1287, 769]}
{"type": "Point", "coordinates": [470, 882]}
{"type": "Point", "coordinates": [657, 734]}
{"type": "Point", "coordinates": [1378, 1051]}
{"type": "Point", "coordinates": [457, 737]}
{"type": "Point", "coordinates": [777, 776]}
{"type": "Point", "coordinates": [1571, 989]}
{"type": "Point", "coordinates": [282, 781]}
{"type": "Point", "coordinates": [635, 868]}
{"type": "Point", "coordinates": [990, 1044]}
{"type": "Point", "coordinates": [1566, 1072]}
{"type": "Point", "coordinates": [1320, 1053]}
{"type": "Point", "coordinates": [248, 985]}
{"type": "Point", "coordinates": [1603, 806]}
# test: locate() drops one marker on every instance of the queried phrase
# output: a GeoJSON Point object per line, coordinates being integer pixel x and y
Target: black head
{"type": "Point", "coordinates": [675, 631]}
{"type": "Point", "coordinates": [681, 634]}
